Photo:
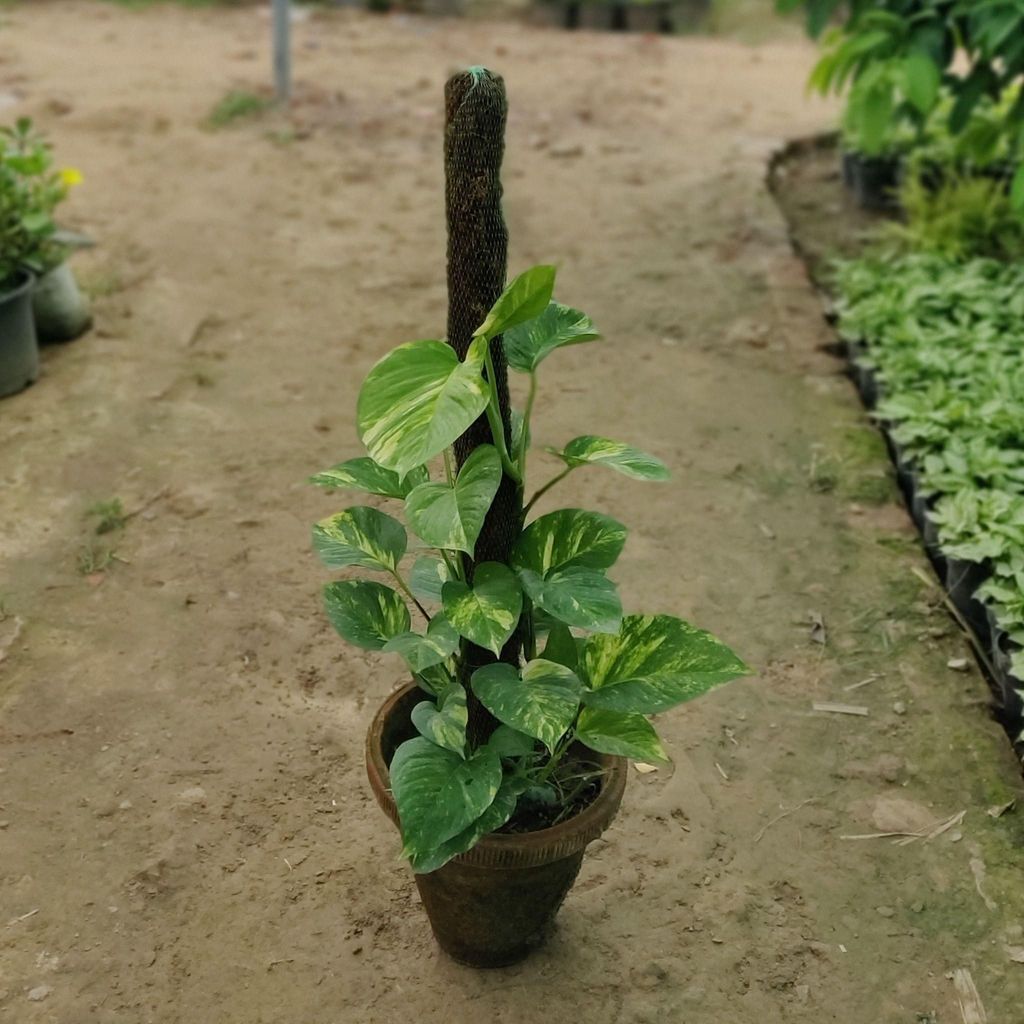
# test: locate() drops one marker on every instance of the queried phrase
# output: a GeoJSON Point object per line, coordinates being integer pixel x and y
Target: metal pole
{"type": "Point", "coordinates": [282, 50]}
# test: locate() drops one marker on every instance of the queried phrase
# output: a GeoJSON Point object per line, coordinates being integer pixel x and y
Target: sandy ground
{"type": "Point", "coordinates": [186, 832]}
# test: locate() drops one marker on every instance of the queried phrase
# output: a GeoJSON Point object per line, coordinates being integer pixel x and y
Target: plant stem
{"type": "Point", "coordinates": [403, 586]}
{"type": "Point", "coordinates": [495, 421]}
{"type": "Point", "coordinates": [547, 487]}
{"type": "Point", "coordinates": [556, 757]}
{"type": "Point", "coordinates": [527, 413]}
{"type": "Point", "coordinates": [448, 471]}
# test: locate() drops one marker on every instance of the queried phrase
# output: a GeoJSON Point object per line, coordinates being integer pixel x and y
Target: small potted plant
{"type": "Point", "coordinates": [498, 774]}
{"type": "Point", "coordinates": [37, 189]}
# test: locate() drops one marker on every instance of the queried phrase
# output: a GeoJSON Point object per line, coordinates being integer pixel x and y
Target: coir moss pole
{"type": "Point", "coordinates": [474, 142]}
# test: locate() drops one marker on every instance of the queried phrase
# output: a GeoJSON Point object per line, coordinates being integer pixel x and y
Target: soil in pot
{"type": "Point", "coordinates": [61, 311]}
{"type": "Point", "coordinates": [491, 906]}
{"type": "Point", "coordinates": [19, 351]}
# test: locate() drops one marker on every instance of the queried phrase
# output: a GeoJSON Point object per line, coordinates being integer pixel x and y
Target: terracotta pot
{"type": "Point", "coordinates": [491, 906]}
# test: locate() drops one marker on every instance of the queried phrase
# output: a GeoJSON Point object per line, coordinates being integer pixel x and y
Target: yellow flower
{"type": "Point", "coordinates": [71, 176]}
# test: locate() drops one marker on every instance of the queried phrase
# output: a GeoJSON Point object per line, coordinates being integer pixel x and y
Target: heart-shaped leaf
{"type": "Point", "coordinates": [451, 517]}
{"type": "Point", "coordinates": [654, 663]}
{"type": "Point", "coordinates": [611, 732]}
{"type": "Point", "coordinates": [438, 793]}
{"type": "Point", "coordinates": [363, 474]}
{"type": "Point", "coordinates": [527, 345]}
{"type": "Point", "coordinates": [417, 400]}
{"type": "Point", "coordinates": [524, 298]}
{"type": "Point", "coordinates": [569, 537]}
{"type": "Point", "coordinates": [562, 647]}
{"type": "Point", "coordinates": [365, 613]}
{"type": "Point", "coordinates": [615, 455]}
{"type": "Point", "coordinates": [542, 704]}
{"type": "Point", "coordinates": [423, 652]}
{"type": "Point", "coordinates": [444, 723]}
{"type": "Point", "coordinates": [428, 576]}
{"type": "Point", "coordinates": [502, 808]}
{"type": "Point", "coordinates": [508, 742]}
{"type": "Point", "coordinates": [360, 536]}
{"type": "Point", "coordinates": [488, 612]}
{"type": "Point", "coordinates": [577, 596]}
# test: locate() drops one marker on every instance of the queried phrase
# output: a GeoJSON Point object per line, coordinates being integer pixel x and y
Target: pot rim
{"type": "Point", "coordinates": [23, 282]}
{"type": "Point", "coordinates": [525, 849]}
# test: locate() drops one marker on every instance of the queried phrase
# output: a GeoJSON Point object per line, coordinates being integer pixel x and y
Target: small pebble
{"type": "Point", "coordinates": [900, 708]}
{"type": "Point", "coordinates": [917, 907]}
{"type": "Point", "coordinates": [885, 911]}
{"type": "Point", "coordinates": [39, 993]}
{"type": "Point", "coordinates": [957, 664]}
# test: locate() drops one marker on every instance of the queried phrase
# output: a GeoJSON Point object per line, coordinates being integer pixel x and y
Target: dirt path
{"type": "Point", "coordinates": [186, 831]}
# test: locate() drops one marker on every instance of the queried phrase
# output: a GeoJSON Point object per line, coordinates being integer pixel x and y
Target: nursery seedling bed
{"type": "Point", "coordinates": [824, 223]}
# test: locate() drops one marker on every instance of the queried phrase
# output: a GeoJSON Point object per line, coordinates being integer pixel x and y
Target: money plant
{"type": "Point", "coordinates": [583, 677]}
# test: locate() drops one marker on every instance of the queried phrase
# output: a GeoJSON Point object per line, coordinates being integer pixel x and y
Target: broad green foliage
{"type": "Point", "coordinates": [907, 62]}
{"type": "Point", "coordinates": [445, 722]}
{"type": "Point", "coordinates": [653, 663]}
{"type": "Point", "coordinates": [439, 792]}
{"type": "Point", "coordinates": [598, 675]}
{"type": "Point", "coordinates": [487, 612]}
{"type": "Point", "coordinates": [360, 536]}
{"type": "Point", "coordinates": [944, 339]}
{"type": "Point", "coordinates": [611, 732]}
{"type": "Point", "coordinates": [524, 299]}
{"type": "Point", "coordinates": [576, 596]}
{"type": "Point", "coordinates": [363, 474]}
{"type": "Point", "coordinates": [541, 702]}
{"type": "Point", "coordinates": [615, 455]}
{"type": "Point", "coordinates": [433, 648]}
{"type": "Point", "coordinates": [418, 400]}
{"type": "Point", "coordinates": [527, 345]}
{"type": "Point", "coordinates": [427, 578]}
{"type": "Point", "coordinates": [451, 517]}
{"type": "Point", "coordinates": [569, 537]}
{"type": "Point", "coordinates": [30, 191]}
{"type": "Point", "coordinates": [365, 613]}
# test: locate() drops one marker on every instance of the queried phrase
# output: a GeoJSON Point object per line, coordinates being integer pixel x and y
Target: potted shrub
{"type": "Point", "coordinates": [498, 774]}
{"type": "Point", "coordinates": [59, 309]}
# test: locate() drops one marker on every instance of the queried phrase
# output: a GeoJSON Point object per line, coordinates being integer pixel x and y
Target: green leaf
{"type": "Point", "coordinates": [569, 537]}
{"type": "Point", "coordinates": [438, 793]}
{"type": "Point", "coordinates": [501, 809]}
{"type": "Point", "coordinates": [363, 474]}
{"type": "Point", "coordinates": [488, 612]}
{"type": "Point", "coordinates": [524, 298]}
{"type": "Point", "coordinates": [542, 704]}
{"type": "Point", "coordinates": [611, 732]}
{"type": "Point", "coordinates": [428, 576]}
{"type": "Point", "coordinates": [562, 647]}
{"type": "Point", "coordinates": [1017, 189]}
{"type": "Point", "coordinates": [365, 613]}
{"type": "Point", "coordinates": [508, 742]}
{"type": "Point", "coordinates": [444, 723]}
{"type": "Point", "coordinates": [451, 517]}
{"type": "Point", "coordinates": [875, 112]}
{"type": "Point", "coordinates": [423, 652]}
{"type": "Point", "coordinates": [577, 596]}
{"type": "Point", "coordinates": [417, 400]}
{"type": "Point", "coordinates": [360, 536]}
{"type": "Point", "coordinates": [653, 663]}
{"type": "Point", "coordinates": [921, 80]}
{"type": "Point", "coordinates": [527, 345]}
{"type": "Point", "coordinates": [615, 455]}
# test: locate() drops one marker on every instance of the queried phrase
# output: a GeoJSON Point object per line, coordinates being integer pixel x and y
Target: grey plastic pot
{"type": "Point", "coordinates": [61, 310]}
{"type": "Point", "coordinates": [19, 350]}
